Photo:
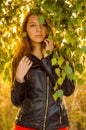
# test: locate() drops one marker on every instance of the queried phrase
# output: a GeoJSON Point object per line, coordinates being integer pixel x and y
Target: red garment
{"type": "Point", "coordinates": [23, 128]}
{"type": "Point", "coordinates": [63, 128]}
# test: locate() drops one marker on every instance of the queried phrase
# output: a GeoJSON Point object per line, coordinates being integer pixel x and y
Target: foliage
{"type": "Point", "coordinates": [68, 21]}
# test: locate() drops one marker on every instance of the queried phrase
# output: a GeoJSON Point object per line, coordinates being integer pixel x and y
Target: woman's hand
{"type": "Point", "coordinates": [49, 46]}
{"type": "Point", "coordinates": [22, 69]}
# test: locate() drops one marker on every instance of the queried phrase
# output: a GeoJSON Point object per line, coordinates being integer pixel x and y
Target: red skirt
{"type": "Point", "coordinates": [23, 128]}
{"type": "Point", "coordinates": [63, 128]}
{"type": "Point", "coordinates": [17, 127]}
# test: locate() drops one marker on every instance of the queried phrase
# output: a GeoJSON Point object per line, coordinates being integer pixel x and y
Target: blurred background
{"type": "Point", "coordinates": [68, 21]}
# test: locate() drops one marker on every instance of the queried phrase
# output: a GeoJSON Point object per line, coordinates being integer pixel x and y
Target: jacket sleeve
{"type": "Point", "coordinates": [17, 93]}
{"type": "Point", "coordinates": [68, 87]}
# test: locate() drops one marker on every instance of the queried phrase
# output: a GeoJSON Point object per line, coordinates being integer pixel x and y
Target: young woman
{"type": "Point", "coordinates": [33, 81]}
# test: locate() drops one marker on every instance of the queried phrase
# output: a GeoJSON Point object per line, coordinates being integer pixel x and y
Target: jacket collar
{"type": "Point", "coordinates": [36, 61]}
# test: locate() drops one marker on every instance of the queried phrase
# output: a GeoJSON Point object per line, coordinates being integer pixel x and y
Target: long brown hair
{"type": "Point", "coordinates": [24, 47]}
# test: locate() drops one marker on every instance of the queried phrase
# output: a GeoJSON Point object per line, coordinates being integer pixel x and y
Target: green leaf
{"type": "Point", "coordinates": [84, 49]}
{"type": "Point", "coordinates": [84, 28]}
{"type": "Point", "coordinates": [68, 69]}
{"type": "Point", "coordinates": [54, 61]}
{"type": "Point", "coordinates": [79, 68]}
{"type": "Point", "coordinates": [74, 20]}
{"type": "Point", "coordinates": [63, 74]}
{"type": "Point", "coordinates": [43, 51]}
{"type": "Point", "coordinates": [60, 61]}
{"type": "Point", "coordinates": [76, 77]}
{"type": "Point", "coordinates": [67, 63]}
{"type": "Point", "coordinates": [55, 87]}
{"type": "Point", "coordinates": [78, 51]}
{"type": "Point", "coordinates": [60, 81]}
{"type": "Point", "coordinates": [55, 96]}
{"type": "Point", "coordinates": [71, 76]}
{"type": "Point", "coordinates": [41, 20]}
{"type": "Point", "coordinates": [81, 81]}
{"type": "Point", "coordinates": [48, 52]}
{"type": "Point", "coordinates": [57, 70]}
{"type": "Point", "coordinates": [58, 94]}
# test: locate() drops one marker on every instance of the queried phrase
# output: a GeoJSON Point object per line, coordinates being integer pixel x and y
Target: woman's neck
{"type": "Point", "coordinates": [37, 51]}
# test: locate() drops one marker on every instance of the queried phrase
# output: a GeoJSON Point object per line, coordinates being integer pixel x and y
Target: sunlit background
{"type": "Point", "coordinates": [69, 26]}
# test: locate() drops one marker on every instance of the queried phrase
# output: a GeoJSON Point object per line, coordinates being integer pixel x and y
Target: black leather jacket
{"type": "Point", "coordinates": [38, 109]}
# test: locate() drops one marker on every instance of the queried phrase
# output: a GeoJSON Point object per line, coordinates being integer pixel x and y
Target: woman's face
{"type": "Point", "coordinates": [35, 30]}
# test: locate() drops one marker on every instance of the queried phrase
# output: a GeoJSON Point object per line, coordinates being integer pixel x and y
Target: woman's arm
{"type": "Point", "coordinates": [17, 93]}
{"type": "Point", "coordinates": [19, 83]}
{"type": "Point", "coordinates": [68, 87]}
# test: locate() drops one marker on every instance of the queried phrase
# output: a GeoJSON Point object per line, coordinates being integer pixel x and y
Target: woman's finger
{"type": "Point", "coordinates": [29, 62]}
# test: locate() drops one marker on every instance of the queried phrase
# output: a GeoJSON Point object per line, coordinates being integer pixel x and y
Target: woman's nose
{"type": "Point", "coordinates": [39, 28]}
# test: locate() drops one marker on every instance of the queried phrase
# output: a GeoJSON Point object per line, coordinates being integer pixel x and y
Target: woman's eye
{"type": "Point", "coordinates": [44, 24]}
{"type": "Point", "coordinates": [32, 25]}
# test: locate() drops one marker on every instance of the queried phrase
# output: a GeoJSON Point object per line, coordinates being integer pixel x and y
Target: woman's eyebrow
{"type": "Point", "coordinates": [31, 22]}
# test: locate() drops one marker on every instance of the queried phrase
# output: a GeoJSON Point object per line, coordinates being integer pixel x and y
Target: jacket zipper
{"type": "Point", "coordinates": [47, 101]}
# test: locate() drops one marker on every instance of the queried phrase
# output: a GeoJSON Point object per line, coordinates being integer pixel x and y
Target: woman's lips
{"type": "Point", "coordinates": [39, 35]}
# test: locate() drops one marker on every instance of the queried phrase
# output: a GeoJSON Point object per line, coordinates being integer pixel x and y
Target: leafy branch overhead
{"type": "Point", "coordinates": [68, 22]}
